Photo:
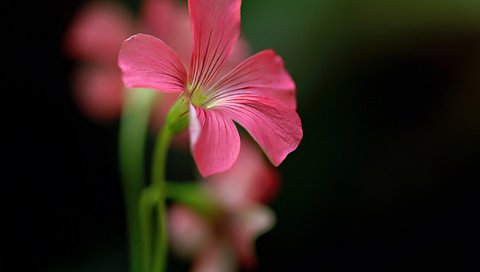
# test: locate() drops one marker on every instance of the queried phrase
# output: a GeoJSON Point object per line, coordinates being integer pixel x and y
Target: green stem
{"type": "Point", "coordinates": [192, 194]}
{"type": "Point", "coordinates": [158, 182]}
{"type": "Point", "coordinates": [132, 137]}
{"type": "Point", "coordinates": [148, 199]}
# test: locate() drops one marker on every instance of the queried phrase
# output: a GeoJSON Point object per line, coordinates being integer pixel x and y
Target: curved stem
{"type": "Point", "coordinates": [132, 137]}
{"type": "Point", "coordinates": [158, 182]}
{"type": "Point", "coordinates": [194, 195]}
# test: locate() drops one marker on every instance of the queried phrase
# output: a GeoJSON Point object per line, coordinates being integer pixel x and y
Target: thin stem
{"type": "Point", "coordinates": [158, 182]}
{"type": "Point", "coordinates": [132, 137]}
{"type": "Point", "coordinates": [193, 195]}
{"type": "Point", "coordinates": [148, 200]}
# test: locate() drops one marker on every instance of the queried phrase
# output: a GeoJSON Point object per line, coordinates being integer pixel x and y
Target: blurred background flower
{"type": "Point", "coordinates": [385, 179]}
{"type": "Point", "coordinates": [224, 238]}
{"type": "Point", "coordinates": [93, 39]}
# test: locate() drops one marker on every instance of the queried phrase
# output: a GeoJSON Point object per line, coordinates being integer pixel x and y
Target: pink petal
{"type": "Point", "coordinates": [214, 140]}
{"type": "Point", "coordinates": [98, 92]}
{"type": "Point", "coordinates": [157, 17]}
{"type": "Point", "coordinates": [250, 180]}
{"type": "Point", "coordinates": [180, 35]}
{"type": "Point", "coordinates": [260, 95]}
{"type": "Point", "coordinates": [216, 27]}
{"type": "Point", "coordinates": [268, 189]}
{"type": "Point", "coordinates": [148, 62]}
{"type": "Point", "coordinates": [240, 52]}
{"type": "Point", "coordinates": [97, 32]}
{"type": "Point", "coordinates": [188, 232]}
{"type": "Point", "coordinates": [277, 129]}
{"type": "Point", "coordinates": [263, 74]}
{"type": "Point", "coordinates": [246, 227]}
{"type": "Point", "coordinates": [218, 257]}
{"type": "Point", "coordinates": [170, 22]}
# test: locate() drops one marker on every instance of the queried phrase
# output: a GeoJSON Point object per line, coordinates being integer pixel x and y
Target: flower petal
{"type": "Point", "coordinates": [148, 62]}
{"type": "Point", "coordinates": [250, 180]}
{"type": "Point", "coordinates": [276, 128]}
{"type": "Point", "coordinates": [216, 27]}
{"type": "Point", "coordinates": [217, 257]}
{"type": "Point", "coordinates": [179, 36]}
{"type": "Point", "coordinates": [246, 227]}
{"type": "Point", "coordinates": [260, 95]}
{"type": "Point", "coordinates": [263, 74]}
{"type": "Point", "coordinates": [97, 32]}
{"type": "Point", "coordinates": [170, 22]}
{"type": "Point", "coordinates": [240, 51]}
{"type": "Point", "coordinates": [189, 233]}
{"type": "Point", "coordinates": [214, 140]}
{"type": "Point", "coordinates": [156, 17]}
{"type": "Point", "coordinates": [98, 92]}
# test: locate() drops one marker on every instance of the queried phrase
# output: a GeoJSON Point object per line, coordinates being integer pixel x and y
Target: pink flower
{"type": "Point", "coordinates": [98, 91]}
{"type": "Point", "coordinates": [220, 243]}
{"type": "Point", "coordinates": [259, 94]}
{"type": "Point", "coordinates": [172, 23]}
{"type": "Point", "coordinates": [97, 32]}
{"type": "Point", "coordinates": [94, 39]}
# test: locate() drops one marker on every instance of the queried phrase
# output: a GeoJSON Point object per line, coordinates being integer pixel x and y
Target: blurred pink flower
{"type": "Point", "coordinates": [94, 39]}
{"type": "Point", "coordinates": [221, 243]}
{"type": "Point", "coordinates": [259, 93]}
{"type": "Point", "coordinates": [98, 91]}
{"type": "Point", "coordinates": [97, 32]}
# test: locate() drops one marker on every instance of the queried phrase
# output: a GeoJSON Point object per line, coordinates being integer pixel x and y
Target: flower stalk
{"type": "Point", "coordinates": [160, 247]}
{"type": "Point", "coordinates": [132, 137]}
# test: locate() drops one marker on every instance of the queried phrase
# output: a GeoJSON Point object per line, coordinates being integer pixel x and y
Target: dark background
{"type": "Point", "coordinates": [385, 179]}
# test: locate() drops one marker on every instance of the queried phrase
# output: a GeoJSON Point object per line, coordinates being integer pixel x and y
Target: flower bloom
{"type": "Point", "coordinates": [259, 94]}
{"type": "Point", "coordinates": [220, 243]}
{"type": "Point", "coordinates": [94, 39]}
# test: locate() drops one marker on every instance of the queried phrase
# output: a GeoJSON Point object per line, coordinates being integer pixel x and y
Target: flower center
{"type": "Point", "coordinates": [198, 97]}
